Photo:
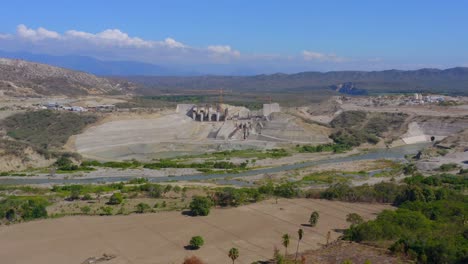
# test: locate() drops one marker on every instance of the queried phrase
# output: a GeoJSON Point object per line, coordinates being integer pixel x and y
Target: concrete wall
{"type": "Point", "coordinates": [183, 108]}
{"type": "Point", "coordinates": [271, 108]}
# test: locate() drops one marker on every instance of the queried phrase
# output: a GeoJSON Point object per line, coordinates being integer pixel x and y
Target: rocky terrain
{"type": "Point", "coordinates": [22, 78]}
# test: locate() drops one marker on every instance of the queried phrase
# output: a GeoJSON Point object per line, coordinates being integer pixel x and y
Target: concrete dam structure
{"type": "Point", "coordinates": [238, 122]}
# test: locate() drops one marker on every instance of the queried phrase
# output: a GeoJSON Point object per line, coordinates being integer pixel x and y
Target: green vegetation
{"type": "Point", "coordinates": [247, 153]}
{"type": "Point", "coordinates": [354, 219]}
{"type": "Point", "coordinates": [353, 128]}
{"type": "Point", "coordinates": [300, 234]}
{"type": "Point", "coordinates": [233, 254]}
{"type": "Point", "coordinates": [285, 243]}
{"type": "Point", "coordinates": [17, 208]}
{"type": "Point", "coordinates": [449, 167]}
{"type": "Point", "coordinates": [115, 199]}
{"type": "Point", "coordinates": [331, 147]}
{"type": "Point", "coordinates": [313, 219]}
{"type": "Point", "coordinates": [327, 177]}
{"type": "Point", "coordinates": [206, 165]}
{"type": "Point", "coordinates": [46, 129]}
{"type": "Point", "coordinates": [429, 225]}
{"type": "Point", "coordinates": [196, 242]}
{"type": "Point", "coordinates": [200, 206]}
{"type": "Point", "coordinates": [142, 208]}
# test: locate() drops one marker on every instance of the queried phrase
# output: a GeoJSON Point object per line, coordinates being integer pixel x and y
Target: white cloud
{"type": "Point", "coordinates": [109, 37]}
{"type": "Point", "coordinates": [316, 56]}
{"type": "Point", "coordinates": [223, 50]}
{"type": "Point", "coordinates": [36, 34]}
{"type": "Point", "coordinates": [172, 43]}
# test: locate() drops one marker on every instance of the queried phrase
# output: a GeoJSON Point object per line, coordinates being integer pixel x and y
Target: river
{"type": "Point", "coordinates": [397, 153]}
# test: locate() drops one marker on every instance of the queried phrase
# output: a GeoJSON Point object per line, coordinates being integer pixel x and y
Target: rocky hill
{"type": "Point", "coordinates": [23, 78]}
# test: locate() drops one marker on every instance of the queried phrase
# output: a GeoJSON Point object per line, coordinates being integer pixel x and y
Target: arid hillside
{"type": "Point", "coordinates": [22, 78]}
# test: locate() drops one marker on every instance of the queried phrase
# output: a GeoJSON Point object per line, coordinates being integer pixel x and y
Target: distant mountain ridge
{"type": "Point", "coordinates": [23, 78]}
{"type": "Point", "coordinates": [96, 66]}
{"type": "Point", "coordinates": [450, 81]}
{"type": "Point", "coordinates": [453, 81]}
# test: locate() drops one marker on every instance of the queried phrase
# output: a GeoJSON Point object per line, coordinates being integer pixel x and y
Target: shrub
{"type": "Point", "coordinates": [106, 210]}
{"type": "Point", "coordinates": [74, 195]}
{"type": "Point", "coordinates": [142, 208]}
{"type": "Point", "coordinates": [200, 206]}
{"type": "Point", "coordinates": [85, 209]}
{"type": "Point", "coordinates": [196, 242]}
{"type": "Point", "coordinates": [449, 167]}
{"type": "Point", "coordinates": [354, 219]}
{"type": "Point", "coordinates": [116, 198]}
{"type": "Point", "coordinates": [87, 197]}
{"type": "Point", "coordinates": [23, 208]}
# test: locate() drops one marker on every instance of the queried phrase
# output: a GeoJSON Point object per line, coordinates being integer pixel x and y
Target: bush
{"type": "Point", "coordinates": [449, 167]}
{"type": "Point", "coordinates": [85, 209]}
{"type": "Point", "coordinates": [142, 208]}
{"type": "Point", "coordinates": [116, 198]}
{"type": "Point", "coordinates": [106, 210]}
{"type": "Point", "coordinates": [354, 219]}
{"type": "Point", "coordinates": [74, 195]}
{"type": "Point", "coordinates": [200, 206]}
{"type": "Point", "coordinates": [196, 242]}
{"type": "Point", "coordinates": [23, 208]}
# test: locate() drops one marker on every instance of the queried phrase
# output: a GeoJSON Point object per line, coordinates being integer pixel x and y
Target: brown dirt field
{"type": "Point", "coordinates": [356, 253]}
{"type": "Point", "coordinates": [160, 238]}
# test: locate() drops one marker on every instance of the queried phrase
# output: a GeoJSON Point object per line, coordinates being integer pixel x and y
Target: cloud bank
{"type": "Point", "coordinates": [114, 44]}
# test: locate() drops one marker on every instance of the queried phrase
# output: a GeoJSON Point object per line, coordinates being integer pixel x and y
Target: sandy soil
{"type": "Point", "coordinates": [160, 238]}
{"type": "Point", "coordinates": [424, 110]}
{"type": "Point", "coordinates": [167, 134]}
{"type": "Point", "coordinates": [350, 251]}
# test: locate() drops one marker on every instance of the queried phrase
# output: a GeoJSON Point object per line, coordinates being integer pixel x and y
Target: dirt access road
{"type": "Point", "coordinates": [160, 238]}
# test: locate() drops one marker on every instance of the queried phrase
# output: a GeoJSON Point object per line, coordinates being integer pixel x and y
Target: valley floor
{"type": "Point", "coordinates": [254, 229]}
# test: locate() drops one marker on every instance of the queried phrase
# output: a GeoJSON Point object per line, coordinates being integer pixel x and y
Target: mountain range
{"type": "Point", "coordinates": [41, 78]}
{"type": "Point", "coordinates": [452, 81]}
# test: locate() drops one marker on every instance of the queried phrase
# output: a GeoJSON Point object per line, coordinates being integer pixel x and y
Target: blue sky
{"type": "Point", "coordinates": [270, 35]}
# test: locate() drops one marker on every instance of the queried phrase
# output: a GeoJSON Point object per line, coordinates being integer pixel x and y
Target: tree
{"type": "Point", "coordinates": [200, 206]}
{"type": "Point", "coordinates": [233, 254]}
{"type": "Point", "coordinates": [300, 234]}
{"type": "Point", "coordinates": [354, 219]}
{"type": "Point", "coordinates": [286, 243]}
{"type": "Point", "coordinates": [142, 208]}
{"type": "Point", "coordinates": [116, 198]}
{"type": "Point", "coordinates": [314, 217]}
{"type": "Point", "coordinates": [196, 242]}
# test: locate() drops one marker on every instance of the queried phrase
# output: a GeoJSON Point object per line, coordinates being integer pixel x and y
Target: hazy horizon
{"type": "Point", "coordinates": [243, 37]}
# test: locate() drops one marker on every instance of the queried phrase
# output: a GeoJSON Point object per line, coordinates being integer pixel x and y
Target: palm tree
{"type": "Point", "coordinates": [314, 217]}
{"type": "Point", "coordinates": [300, 234]}
{"type": "Point", "coordinates": [285, 243]}
{"type": "Point", "coordinates": [233, 254]}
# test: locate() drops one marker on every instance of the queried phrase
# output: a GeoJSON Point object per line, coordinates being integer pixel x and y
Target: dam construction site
{"type": "Point", "coordinates": [195, 129]}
